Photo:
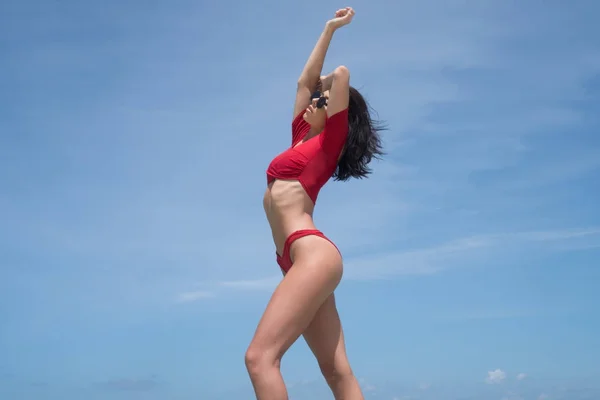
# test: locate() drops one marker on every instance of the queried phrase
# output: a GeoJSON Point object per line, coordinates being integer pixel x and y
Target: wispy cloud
{"type": "Point", "coordinates": [468, 251]}
{"type": "Point", "coordinates": [457, 253]}
{"type": "Point", "coordinates": [475, 313]}
{"type": "Point", "coordinates": [217, 288]}
{"type": "Point", "coordinates": [255, 284]}
{"type": "Point", "coordinates": [188, 297]}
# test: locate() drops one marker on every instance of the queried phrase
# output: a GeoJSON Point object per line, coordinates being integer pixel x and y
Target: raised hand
{"type": "Point", "coordinates": [342, 17]}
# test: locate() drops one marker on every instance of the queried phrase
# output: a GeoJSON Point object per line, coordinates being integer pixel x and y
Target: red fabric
{"type": "Point", "coordinates": [285, 261]}
{"type": "Point", "coordinates": [313, 162]}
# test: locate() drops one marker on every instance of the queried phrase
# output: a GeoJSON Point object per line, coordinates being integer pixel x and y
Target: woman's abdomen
{"type": "Point", "coordinates": [288, 208]}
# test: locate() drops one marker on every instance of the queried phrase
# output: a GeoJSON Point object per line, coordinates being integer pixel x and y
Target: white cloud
{"type": "Point", "coordinates": [476, 313]}
{"type": "Point", "coordinates": [366, 386]}
{"type": "Point", "coordinates": [253, 284]}
{"type": "Point", "coordinates": [495, 377]}
{"type": "Point", "coordinates": [188, 297]}
{"type": "Point", "coordinates": [521, 376]}
{"type": "Point", "coordinates": [267, 284]}
{"type": "Point", "coordinates": [369, 388]}
{"type": "Point", "coordinates": [543, 396]}
{"type": "Point", "coordinates": [553, 235]}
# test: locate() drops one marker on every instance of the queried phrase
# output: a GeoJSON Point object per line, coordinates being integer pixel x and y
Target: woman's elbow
{"type": "Point", "coordinates": [341, 73]}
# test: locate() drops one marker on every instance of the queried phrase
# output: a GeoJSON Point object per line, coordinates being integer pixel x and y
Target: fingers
{"type": "Point", "coordinates": [344, 11]}
{"type": "Point", "coordinates": [347, 13]}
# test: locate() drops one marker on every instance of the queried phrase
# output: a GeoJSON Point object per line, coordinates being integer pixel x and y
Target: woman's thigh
{"type": "Point", "coordinates": [315, 274]}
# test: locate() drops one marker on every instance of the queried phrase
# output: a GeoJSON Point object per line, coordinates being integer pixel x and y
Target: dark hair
{"type": "Point", "coordinates": [363, 142]}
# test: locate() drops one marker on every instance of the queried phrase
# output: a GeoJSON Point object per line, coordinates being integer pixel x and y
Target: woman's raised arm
{"type": "Point", "coordinates": [310, 76]}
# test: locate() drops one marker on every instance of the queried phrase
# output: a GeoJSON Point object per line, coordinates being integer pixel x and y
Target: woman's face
{"type": "Point", "coordinates": [314, 115]}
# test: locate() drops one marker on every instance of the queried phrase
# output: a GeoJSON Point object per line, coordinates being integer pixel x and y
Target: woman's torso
{"type": "Point", "coordinates": [288, 208]}
{"type": "Point", "coordinates": [296, 176]}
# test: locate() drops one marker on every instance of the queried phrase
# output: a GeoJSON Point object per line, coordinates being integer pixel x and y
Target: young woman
{"type": "Point", "coordinates": [332, 135]}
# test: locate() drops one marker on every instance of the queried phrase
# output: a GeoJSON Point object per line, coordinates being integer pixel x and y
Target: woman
{"type": "Point", "coordinates": [332, 135]}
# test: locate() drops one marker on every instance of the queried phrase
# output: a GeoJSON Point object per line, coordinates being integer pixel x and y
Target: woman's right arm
{"type": "Point", "coordinates": [309, 78]}
{"type": "Point", "coordinates": [311, 74]}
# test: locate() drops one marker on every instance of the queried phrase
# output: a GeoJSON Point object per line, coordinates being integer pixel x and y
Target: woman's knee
{"type": "Point", "coordinates": [258, 359]}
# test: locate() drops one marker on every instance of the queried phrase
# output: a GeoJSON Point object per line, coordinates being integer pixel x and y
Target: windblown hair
{"type": "Point", "coordinates": [363, 142]}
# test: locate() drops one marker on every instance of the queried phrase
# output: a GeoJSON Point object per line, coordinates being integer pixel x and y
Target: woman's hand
{"type": "Point", "coordinates": [342, 17]}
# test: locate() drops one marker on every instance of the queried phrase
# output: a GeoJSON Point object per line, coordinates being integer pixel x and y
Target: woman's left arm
{"type": "Point", "coordinates": [339, 93]}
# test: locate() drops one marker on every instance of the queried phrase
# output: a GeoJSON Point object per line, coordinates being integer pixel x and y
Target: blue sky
{"type": "Point", "coordinates": [135, 258]}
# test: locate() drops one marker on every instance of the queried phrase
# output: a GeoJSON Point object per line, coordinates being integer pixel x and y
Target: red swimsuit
{"type": "Point", "coordinates": [312, 163]}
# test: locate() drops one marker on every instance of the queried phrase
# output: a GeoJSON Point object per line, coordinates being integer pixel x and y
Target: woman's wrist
{"type": "Point", "coordinates": [330, 27]}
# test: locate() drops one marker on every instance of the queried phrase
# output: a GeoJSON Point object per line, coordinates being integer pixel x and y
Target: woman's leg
{"type": "Point", "coordinates": [325, 338]}
{"type": "Point", "coordinates": [315, 274]}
